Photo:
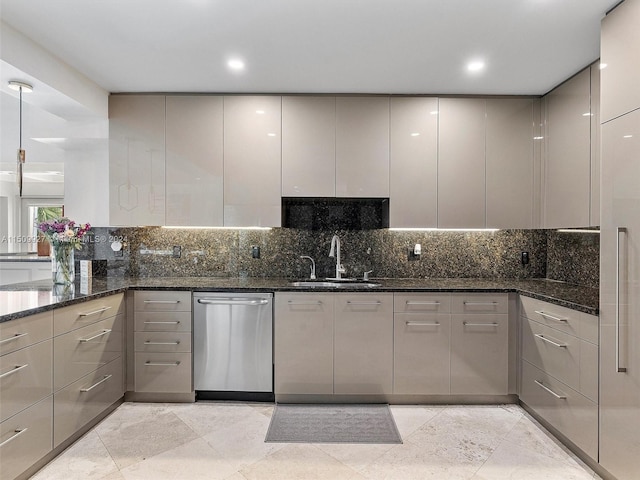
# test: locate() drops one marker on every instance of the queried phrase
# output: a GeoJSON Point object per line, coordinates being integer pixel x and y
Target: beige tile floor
{"type": "Point", "coordinates": [226, 441]}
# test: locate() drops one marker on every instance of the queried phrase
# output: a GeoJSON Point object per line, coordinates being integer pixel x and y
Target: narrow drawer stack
{"type": "Point", "coordinates": [162, 342]}
{"type": "Point", "coordinates": [26, 412]}
{"type": "Point", "coordinates": [560, 369]}
{"type": "Point", "coordinates": [88, 363]}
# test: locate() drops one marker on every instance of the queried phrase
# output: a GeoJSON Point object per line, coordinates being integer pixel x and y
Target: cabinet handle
{"type": "Point", "coordinates": [231, 301]}
{"type": "Point", "coordinates": [15, 337]}
{"type": "Point", "coordinates": [162, 364]}
{"type": "Point", "coordinates": [172, 302]}
{"type": "Point", "coordinates": [377, 302]}
{"type": "Point", "coordinates": [552, 317]}
{"type": "Point", "coordinates": [293, 302]}
{"type": "Point", "coordinates": [481, 303]}
{"type": "Point", "coordinates": [14, 370]}
{"type": "Point", "coordinates": [411, 302]}
{"type": "Point", "coordinates": [543, 386]}
{"type": "Point", "coordinates": [100, 310]}
{"type": "Point", "coordinates": [104, 379]}
{"type": "Point", "coordinates": [619, 230]}
{"type": "Point", "coordinates": [542, 337]}
{"type": "Point", "coordinates": [467, 324]}
{"type": "Point", "coordinates": [163, 323]}
{"type": "Point", "coordinates": [422, 324]}
{"type": "Point", "coordinates": [149, 342]}
{"type": "Point", "coordinates": [16, 433]}
{"type": "Point", "coordinates": [104, 332]}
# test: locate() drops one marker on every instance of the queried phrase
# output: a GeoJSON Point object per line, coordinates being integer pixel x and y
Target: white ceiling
{"type": "Point", "coordinates": [305, 46]}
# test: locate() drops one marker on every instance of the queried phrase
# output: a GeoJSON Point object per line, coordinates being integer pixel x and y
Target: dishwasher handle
{"type": "Point", "coordinates": [233, 301]}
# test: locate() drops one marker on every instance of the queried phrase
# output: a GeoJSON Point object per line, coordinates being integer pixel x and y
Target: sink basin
{"type": "Point", "coordinates": [334, 284]}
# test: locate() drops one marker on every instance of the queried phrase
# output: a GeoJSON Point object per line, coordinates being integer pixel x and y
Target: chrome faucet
{"type": "Point", "coordinates": [335, 252]}
{"type": "Point", "coordinates": [313, 266]}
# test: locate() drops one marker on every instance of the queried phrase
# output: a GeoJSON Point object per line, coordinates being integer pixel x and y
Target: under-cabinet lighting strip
{"type": "Point", "coordinates": [445, 229]}
{"type": "Point", "coordinates": [576, 230]}
{"type": "Point", "coordinates": [215, 228]}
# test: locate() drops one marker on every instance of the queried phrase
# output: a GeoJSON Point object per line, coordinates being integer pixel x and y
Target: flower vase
{"type": "Point", "coordinates": [62, 264]}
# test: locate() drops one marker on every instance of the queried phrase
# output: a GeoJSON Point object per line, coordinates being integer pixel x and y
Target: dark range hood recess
{"type": "Point", "coordinates": [335, 213]}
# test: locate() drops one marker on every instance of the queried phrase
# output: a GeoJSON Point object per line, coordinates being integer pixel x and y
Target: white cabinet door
{"type": "Point", "coordinates": [510, 163]}
{"type": "Point", "coordinates": [461, 163]}
{"type": "Point", "coordinates": [252, 161]}
{"type": "Point", "coordinates": [136, 160]}
{"type": "Point", "coordinates": [413, 162]}
{"type": "Point", "coordinates": [362, 146]}
{"type": "Point", "coordinates": [620, 266]}
{"type": "Point", "coordinates": [194, 160]}
{"type": "Point", "coordinates": [308, 146]}
{"type": "Point", "coordinates": [620, 51]}
{"type": "Point", "coordinates": [567, 165]}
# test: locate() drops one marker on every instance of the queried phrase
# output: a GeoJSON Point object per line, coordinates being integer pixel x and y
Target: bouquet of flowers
{"type": "Point", "coordinates": [64, 236]}
{"type": "Point", "coordinates": [63, 232]}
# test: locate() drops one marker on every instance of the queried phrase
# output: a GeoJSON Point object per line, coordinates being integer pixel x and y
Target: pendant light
{"type": "Point", "coordinates": [20, 87]}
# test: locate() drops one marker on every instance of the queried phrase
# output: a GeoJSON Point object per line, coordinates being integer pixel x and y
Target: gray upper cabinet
{"type": "Point", "coordinates": [194, 160]}
{"type": "Point", "coordinates": [362, 146]}
{"type": "Point", "coordinates": [567, 178]}
{"type": "Point", "coordinates": [595, 145]}
{"type": "Point", "coordinates": [461, 163]}
{"type": "Point", "coordinates": [620, 50]}
{"type": "Point", "coordinates": [136, 160]}
{"type": "Point", "coordinates": [252, 161]}
{"type": "Point", "coordinates": [413, 196]}
{"type": "Point", "coordinates": [510, 163]}
{"type": "Point", "coordinates": [308, 146]}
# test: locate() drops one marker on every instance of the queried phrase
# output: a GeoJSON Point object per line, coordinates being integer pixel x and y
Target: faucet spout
{"type": "Point", "coordinates": [335, 253]}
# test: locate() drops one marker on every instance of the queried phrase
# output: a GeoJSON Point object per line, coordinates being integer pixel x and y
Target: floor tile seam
{"type": "Point", "coordinates": [115, 464]}
{"type": "Point", "coordinates": [373, 460]}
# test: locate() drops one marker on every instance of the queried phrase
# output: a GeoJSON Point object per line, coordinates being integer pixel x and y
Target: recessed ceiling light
{"type": "Point", "coordinates": [475, 66]}
{"type": "Point", "coordinates": [236, 64]}
{"type": "Point", "coordinates": [415, 134]}
{"type": "Point", "coordinates": [538, 138]}
{"type": "Point", "coordinates": [627, 136]}
{"type": "Point", "coordinates": [435, 112]}
{"type": "Point", "coordinates": [603, 65]}
{"type": "Point", "coordinates": [271, 134]}
{"type": "Point", "coordinates": [588, 114]}
{"type": "Point", "coordinates": [260, 112]}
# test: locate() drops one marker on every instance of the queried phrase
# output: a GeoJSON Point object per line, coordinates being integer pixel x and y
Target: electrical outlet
{"type": "Point", "coordinates": [177, 251]}
{"type": "Point", "coordinates": [524, 258]}
{"type": "Point", "coordinates": [255, 251]}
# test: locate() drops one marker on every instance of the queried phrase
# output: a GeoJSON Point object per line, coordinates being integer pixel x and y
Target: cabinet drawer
{"type": "Point", "coordinates": [26, 438]}
{"type": "Point", "coordinates": [421, 353]}
{"type": "Point", "coordinates": [162, 321]}
{"type": "Point", "coordinates": [163, 372]}
{"type": "Point", "coordinates": [422, 303]}
{"type": "Point", "coordinates": [574, 415]}
{"type": "Point", "coordinates": [479, 354]}
{"type": "Point", "coordinates": [25, 378]}
{"type": "Point", "coordinates": [552, 351]}
{"type": "Point", "coordinates": [552, 315]}
{"type": "Point", "coordinates": [479, 303]}
{"type": "Point", "coordinates": [83, 400]}
{"type": "Point", "coordinates": [22, 332]}
{"type": "Point", "coordinates": [161, 301]}
{"type": "Point", "coordinates": [162, 341]}
{"type": "Point", "coordinates": [81, 351]}
{"type": "Point", "coordinates": [82, 314]}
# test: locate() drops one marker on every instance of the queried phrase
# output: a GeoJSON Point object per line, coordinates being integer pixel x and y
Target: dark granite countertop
{"type": "Point", "coordinates": [22, 299]}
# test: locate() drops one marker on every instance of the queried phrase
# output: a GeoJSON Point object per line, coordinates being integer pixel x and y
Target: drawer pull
{"type": "Point", "coordinates": [422, 324]}
{"type": "Point", "coordinates": [162, 364]}
{"type": "Point", "coordinates": [467, 324]}
{"type": "Point", "coordinates": [412, 302]}
{"type": "Point", "coordinates": [552, 317]}
{"type": "Point", "coordinates": [97, 335]}
{"type": "Point", "coordinates": [104, 379]}
{"type": "Point", "coordinates": [232, 301]}
{"type": "Point", "coordinates": [377, 302]}
{"type": "Point", "coordinates": [15, 337]}
{"type": "Point", "coordinates": [619, 368]}
{"type": "Point", "coordinates": [543, 386]}
{"type": "Point", "coordinates": [149, 342]}
{"type": "Point", "coordinates": [14, 370]}
{"type": "Point", "coordinates": [542, 337]}
{"type": "Point", "coordinates": [16, 433]}
{"type": "Point", "coordinates": [293, 302]}
{"type": "Point", "coordinates": [163, 323]}
{"type": "Point", "coordinates": [486, 304]}
{"type": "Point", "coordinates": [95, 312]}
{"type": "Point", "coordinates": [172, 302]}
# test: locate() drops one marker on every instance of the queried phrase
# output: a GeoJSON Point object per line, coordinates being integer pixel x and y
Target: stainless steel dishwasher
{"type": "Point", "coordinates": [233, 346]}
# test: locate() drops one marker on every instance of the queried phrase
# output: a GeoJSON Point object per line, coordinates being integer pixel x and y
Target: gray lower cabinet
{"type": "Point", "coordinates": [303, 343]}
{"type": "Point", "coordinates": [363, 348]}
{"type": "Point", "coordinates": [162, 343]}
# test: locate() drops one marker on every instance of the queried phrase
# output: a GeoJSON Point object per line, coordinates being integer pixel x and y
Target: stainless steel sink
{"type": "Point", "coordinates": [332, 284]}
